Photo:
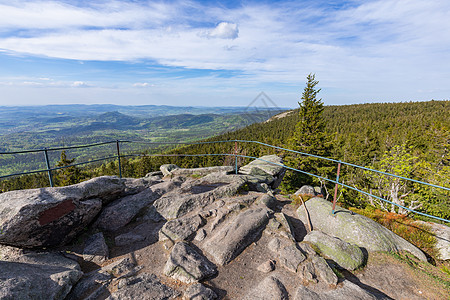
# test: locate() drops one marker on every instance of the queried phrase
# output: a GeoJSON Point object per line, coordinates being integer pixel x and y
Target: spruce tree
{"type": "Point", "coordinates": [309, 137]}
{"type": "Point", "coordinates": [67, 176]}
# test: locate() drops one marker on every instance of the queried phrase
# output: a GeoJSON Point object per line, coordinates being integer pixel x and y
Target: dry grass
{"type": "Point", "coordinates": [417, 234]}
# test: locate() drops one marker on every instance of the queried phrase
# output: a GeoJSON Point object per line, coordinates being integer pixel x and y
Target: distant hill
{"type": "Point", "coordinates": [24, 128]}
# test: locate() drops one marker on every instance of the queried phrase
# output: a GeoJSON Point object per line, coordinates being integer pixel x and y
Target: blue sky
{"type": "Point", "coordinates": [222, 53]}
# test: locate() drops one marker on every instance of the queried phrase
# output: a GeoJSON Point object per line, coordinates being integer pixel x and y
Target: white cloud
{"type": "Point", "coordinates": [80, 84]}
{"type": "Point", "coordinates": [142, 84]}
{"type": "Point", "coordinates": [224, 30]}
{"type": "Point", "coordinates": [399, 45]}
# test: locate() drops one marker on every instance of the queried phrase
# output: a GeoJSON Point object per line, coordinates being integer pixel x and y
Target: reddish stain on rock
{"type": "Point", "coordinates": [56, 212]}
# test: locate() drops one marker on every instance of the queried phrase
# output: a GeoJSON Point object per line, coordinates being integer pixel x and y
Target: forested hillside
{"type": "Point", "coordinates": [409, 139]}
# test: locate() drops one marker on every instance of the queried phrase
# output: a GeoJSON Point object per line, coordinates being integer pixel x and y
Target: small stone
{"type": "Point", "coordinates": [324, 271]}
{"type": "Point", "coordinates": [199, 292]}
{"type": "Point", "coordinates": [200, 236]}
{"type": "Point", "coordinates": [96, 249]}
{"type": "Point", "coordinates": [187, 265]}
{"type": "Point", "coordinates": [267, 266]}
{"type": "Point", "coordinates": [166, 169]}
{"type": "Point", "coordinates": [306, 190]}
{"type": "Point", "coordinates": [291, 257]}
{"type": "Point", "coordinates": [120, 267]}
{"type": "Point", "coordinates": [269, 201]}
{"type": "Point", "coordinates": [307, 272]}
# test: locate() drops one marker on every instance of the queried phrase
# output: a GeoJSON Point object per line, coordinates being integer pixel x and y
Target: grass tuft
{"type": "Point", "coordinates": [420, 235]}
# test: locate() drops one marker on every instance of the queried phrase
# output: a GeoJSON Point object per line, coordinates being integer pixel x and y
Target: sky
{"type": "Point", "coordinates": [222, 53]}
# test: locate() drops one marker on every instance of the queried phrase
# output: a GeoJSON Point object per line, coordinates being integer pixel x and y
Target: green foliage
{"type": "Point", "coordinates": [69, 175]}
{"type": "Point", "coordinates": [398, 161]}
{"type": "Point", "coordinates": [362, 134]}
{"type": "Point", "coordinates": [418, 234]}
{"type": "Point", "coordinates": [309, 137]}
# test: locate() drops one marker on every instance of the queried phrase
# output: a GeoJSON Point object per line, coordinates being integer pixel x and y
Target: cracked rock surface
{"type": "Point", "coordinates": [204, 233]}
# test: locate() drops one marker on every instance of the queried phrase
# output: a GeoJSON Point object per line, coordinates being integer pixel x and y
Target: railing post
{"type": "Point", "coordinates": [50, 179]}
{"type": "Point", "coordinates": [118, 158]}
{"type": "Point", "coordinates": [336, 188]}
{"type": "Point", "coordinates": [235, 157]}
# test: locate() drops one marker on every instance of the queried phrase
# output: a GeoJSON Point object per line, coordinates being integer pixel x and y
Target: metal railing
{"type": "Point", "coordinates": [236, 155]}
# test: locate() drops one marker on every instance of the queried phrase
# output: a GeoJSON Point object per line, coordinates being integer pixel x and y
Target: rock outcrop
{"type": "Point", "coordinates": [355, 229]}
{"type": "Point", "coordinates": [187, 265]}
{"type": "Point", "coordinates": [346, 255]}
{"type": "Point", "coordinates": [48, 217]}
{"type": "Point", "coordinates": [269, 166]}
{"type": "Point", "coordinates": [234, 237]}
{"type": "Point", "coordinates": [201, 233]}
{"type": "Point", "coordinates": [38, 276]}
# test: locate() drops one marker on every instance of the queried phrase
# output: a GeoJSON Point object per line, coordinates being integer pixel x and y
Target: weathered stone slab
{"type": "Point", "coordinates": [187, 265]}
{"type": "Point", "coordinates": [354, 228]}
{"type": "Point", "coordinates": [266, 165]}
{"type": "Point", "coordinates": [53, 216]}
{"type": "Point", "coordinates": [348, 291]}
{"type": "Point", "coordinates": [37, 218]}
{"type": "Point", "coordinates": [291, 257]}
{"type": "Point", "coordinates": [346, 255]}
{"type": "Point", "coordinates": [230, 240]}
{"type": "Point", "coordinates": [270, 288]}
{"type": "Point", "coordinates": [95, 249]}
{"type": "Point", "coordinates": [106, 188]}
{"type": "Point", "coordinates": [137, 185]}
{"type": "Point", "coordinates": [90, 286]}
{"type": "Point", "coordinates": [120, 212]}
{"type": "Point", "coordinates": [38, 276]}
{"type": "Point", "coordinates": [181, 229]}
{"type": "Point", "coordinates": [144, 287]}
{"type": "Point", "coordinates": [201, 171]}
{"type": "Point", "coordinates": [173, 205]}
{"type": "Point", "coordinates": [442, 235]}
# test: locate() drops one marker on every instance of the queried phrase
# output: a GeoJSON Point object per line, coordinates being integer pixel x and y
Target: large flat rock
{"type": "Point", "coordinates": [38, 276]}
{"type": "Point", "coordinates": [354, 228]}
{"type": "Point", "coordinates": [175, 205]}
{"type": "Point", "coordinates": [346, 255]}
{"type": "Point", "coordinates": [236, 234]}
{"type": "Point", "coordinates": [269, 165]}
{"type": "Point", "coordinates": [53, 216]}
{"type": "Point", "coordinates": [120, 212]}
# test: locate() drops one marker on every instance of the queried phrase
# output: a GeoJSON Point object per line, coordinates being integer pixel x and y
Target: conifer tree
{"type": "Point", "coordinates": [67, 176]}
{"type": "Point", "coordinates": [309, 137]}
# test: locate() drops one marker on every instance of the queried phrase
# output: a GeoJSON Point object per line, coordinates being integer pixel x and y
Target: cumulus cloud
{"type": "Point", "coordinates": [80, 84]}
{"type": "Point", "coordinates": [362, 45]}
{"type": "Point", "coordinates": [224, 30]}
{"type": "Point", "coordinates": [143, 84]}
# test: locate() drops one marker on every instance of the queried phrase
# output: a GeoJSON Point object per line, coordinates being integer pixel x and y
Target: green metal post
{"type": "Point", "coordinates": [50, 179]}
{"type": "Point", "coordinates": [118, 158]}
